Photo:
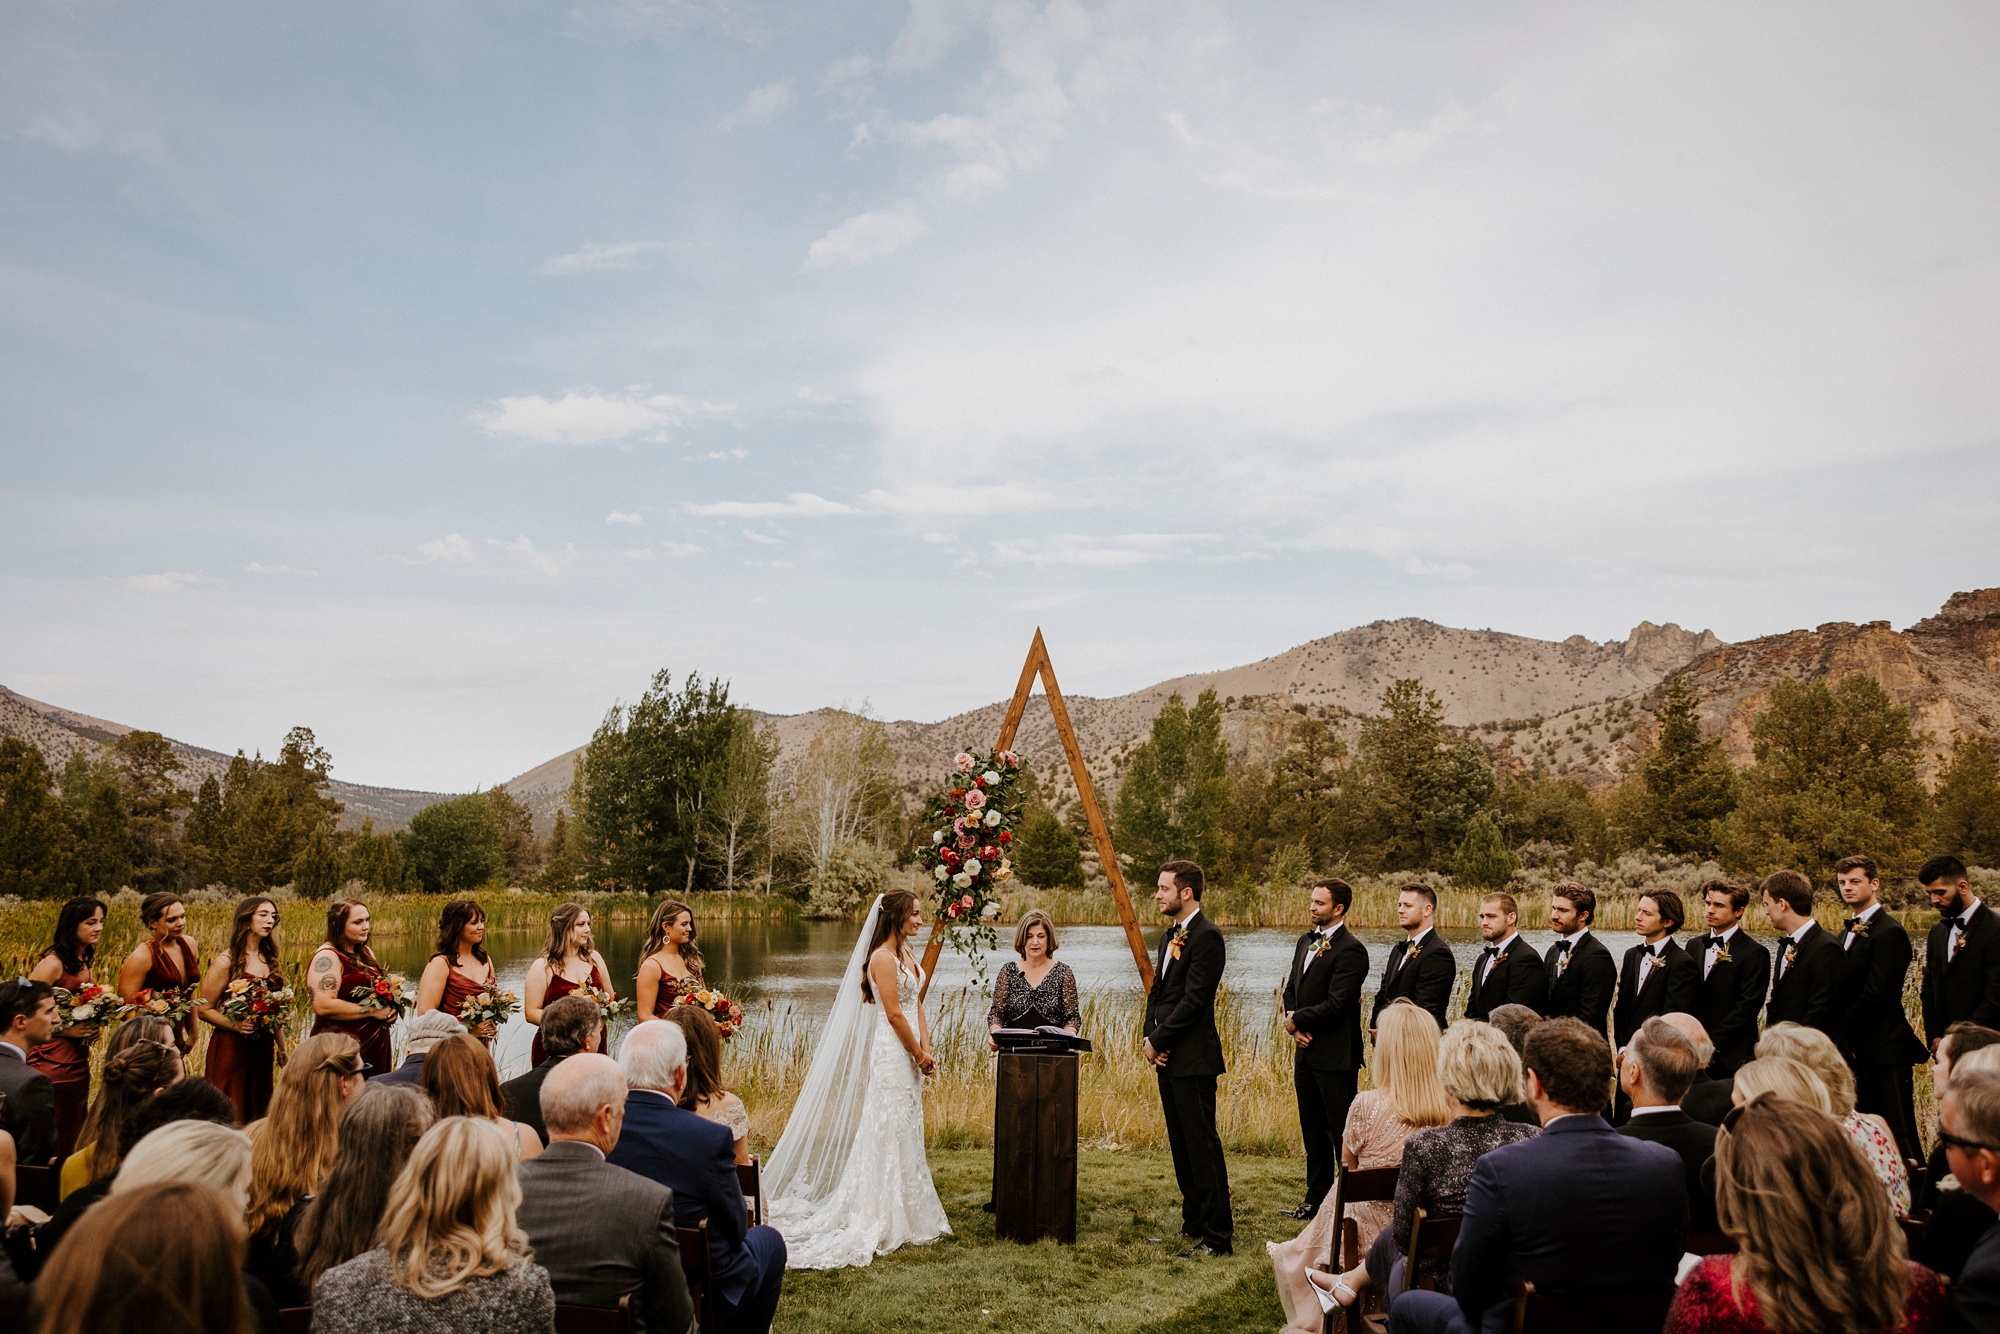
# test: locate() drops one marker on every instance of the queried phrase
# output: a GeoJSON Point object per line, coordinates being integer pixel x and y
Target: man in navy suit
{"type": "Point", "coordinates": [421, 1034]}
{"type": "Point", "coordinates": [696, 1160]}
{"type": "Point", "coordinates": [1578, 1207]}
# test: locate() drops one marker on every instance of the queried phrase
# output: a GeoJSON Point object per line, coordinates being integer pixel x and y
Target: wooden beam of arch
{"type": "Point", "coordinates": [1100, 833]}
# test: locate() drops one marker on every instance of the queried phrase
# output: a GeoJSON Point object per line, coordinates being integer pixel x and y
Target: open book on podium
{"type": "Point", "coordinates": [1046, 1040]}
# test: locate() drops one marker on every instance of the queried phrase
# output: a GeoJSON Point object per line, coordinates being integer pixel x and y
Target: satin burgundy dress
{"type": "Point", "coordinates": [458, 989]}
{"type": "Point", "coordinates": [670, 990]}
{"type": "Point", "coordinates": [162, 974]}
{"type": "Point", "coordinates": [372, 1034]}
{"type": "Point", "coordinates": [560, 986]}
{"type": "Point", "coordinates": [244, 1068]}
{"type": "Point", "coordinates": [66, 1062]}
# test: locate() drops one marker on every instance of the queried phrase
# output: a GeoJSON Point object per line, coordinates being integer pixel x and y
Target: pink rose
{"type": "Point", "coordinates": [965, 902]}
{"type": "Point", "coordinates": [963, 761]}
{"type": "Point", "coordinates": [974, 799]}
{"type": "Point", "coordinates": [1010, 759]}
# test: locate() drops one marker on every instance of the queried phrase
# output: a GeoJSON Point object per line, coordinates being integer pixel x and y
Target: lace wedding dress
{"type": "Point", "coordinates": [849, 1180]}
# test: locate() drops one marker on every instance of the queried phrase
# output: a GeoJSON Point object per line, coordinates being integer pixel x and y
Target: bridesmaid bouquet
{"type": "Point", "coordinates": [86, 1005]}
{"type": "Point", "coordinates": [607, 1002]}
{"type": "Point", "coordinates": [265, 1000]}
{"type": "Point", "coordinates": [727, 1014]}
{"type": "Point", "coordinates": [172, 1004]}
{"type": "Point", "coordinates": [491, 1006]}
{"type": "Point", "coordinates": [389, 992]}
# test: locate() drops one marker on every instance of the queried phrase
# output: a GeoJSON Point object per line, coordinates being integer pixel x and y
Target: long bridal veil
{"type": "Point", "coordinates": [826, 1120]}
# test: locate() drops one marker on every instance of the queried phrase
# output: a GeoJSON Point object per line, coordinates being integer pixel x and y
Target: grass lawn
{"type": "Point", "coordinates": [1116, 1277]}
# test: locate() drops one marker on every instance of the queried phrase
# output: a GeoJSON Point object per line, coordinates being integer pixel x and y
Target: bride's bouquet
{"type": "Point", "coordinates": [491, 1006]}
{"type": "Point", "coordinates": [727, 1014]}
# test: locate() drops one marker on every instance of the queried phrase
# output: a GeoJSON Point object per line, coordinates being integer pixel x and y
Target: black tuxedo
{"type": "Point", "coordinates": [1694, 1141]}
{"type": "Point", "coordinates": [1879, 1041]}
{"type": "Point", "coordinates": [1709, 1100]}
{"type": "Point", "coordinates": [1967, 984]}
{"type": "Point", "coordinates": [1731, 998]}
{"type": "Point", "coordinates": [1180, 1021]}
{"type": "Point", "coordinates": [1583, 988]}
{"type": "Point", "coordinates": [1809, 991]}
{"type": "Point", "coordinates": [1323, 996]}
{"type": "Point", "coordinates": [1426, 979]}
{"type": "Point", "coordinates": [1671, 986]}
{"type": "Point", "coordinates": [1515, 978]}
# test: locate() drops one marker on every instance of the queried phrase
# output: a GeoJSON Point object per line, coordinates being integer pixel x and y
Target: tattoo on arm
{"type": "Point", "coordinates": [325, 976]}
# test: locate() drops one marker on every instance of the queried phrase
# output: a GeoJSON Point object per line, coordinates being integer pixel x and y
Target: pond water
{"type": "Point", "coordinates": [800, 963]}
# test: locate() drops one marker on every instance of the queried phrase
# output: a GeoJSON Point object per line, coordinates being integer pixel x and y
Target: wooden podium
{"type": "Point", "coordinates": [1034, 1147]}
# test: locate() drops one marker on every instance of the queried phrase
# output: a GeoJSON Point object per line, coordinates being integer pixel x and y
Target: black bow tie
{"type": "Point", "coordinates": [1490, 951]}
{"type": "Point", "coordinates": [1849, 924]}
{"type": "Point", "coordinates": [1651, 951]}
{"type": "Point", "coordinates": [1562, 946]}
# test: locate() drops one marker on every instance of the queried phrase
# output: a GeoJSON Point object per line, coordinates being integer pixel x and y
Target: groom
{"type": "Point", "coordinates": [1181, 1040]}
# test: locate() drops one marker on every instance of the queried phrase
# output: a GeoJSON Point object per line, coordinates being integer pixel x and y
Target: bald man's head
{"type": "Point", "coordinates": [582, 1097]}
{"type": "Point", "coordinates": [1691, 1029]}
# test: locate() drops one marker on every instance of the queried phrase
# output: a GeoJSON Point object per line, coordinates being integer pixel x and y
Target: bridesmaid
{"type": "Point", "coordinates": [567, 962]}
{"type": "Point", "coordinates": [459, 968]}
{"type": "Point", "coordinates": [166, 960]}
{"type": "Point", "coordinates": [65, 1058]}
{"type": "Point", "coordinates": [341, 963]}
{"type": "Point", "coordinates": [670, 960]}
{"type": "Point", "coordinates": [240, 1058]}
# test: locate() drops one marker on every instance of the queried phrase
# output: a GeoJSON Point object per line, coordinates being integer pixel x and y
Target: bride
{"type": "Point", "coordinates": [849, 1180]}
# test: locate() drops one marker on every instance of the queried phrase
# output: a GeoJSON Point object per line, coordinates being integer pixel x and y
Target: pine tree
{"type": "Point", "coordinates": [205, 836]}
{"type": "Point", "coordinates": [560, 864]}
{"type": "Point", "coordinates": [34, 837]}
{"type": "Point", "coordinates": [153, 803]}
{"type": "Point", "coordinates": [1689, 785]}
{"type": "Point", "coordinates": [1417, 786]}
{"type": "Point", "coordinates": [1045, 855]}
{"type": "Point", "coordinates": [518, 848]}
{"type": "Point", "coordinates": [375, 859]}
{"type": "Point", "coordinates": [1172, 801]}
{"type": "Point", "coordinates": [1483, 860]}
{"type": "Point", "coordinates": [1305, 791]}
{"type": "Point", "coordinates": [1965, 809]}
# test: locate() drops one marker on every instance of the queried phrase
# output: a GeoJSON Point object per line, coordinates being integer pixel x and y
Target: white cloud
{"type": "Point", "coordinates": [1106, 553]}
{"type": "Point", "coordinates": [617, 517]}
{"type": "Point", "coordinates": [865, 236]}
{"type": "Point", "coordinates": [525, 552]}
{"type": "Point", "coordinates": [723, 454]}
{"type": "Point", "coordinates": [170, 581]}
{"type": "Point", "coordinates": [597, 257]}
{"type": "Point", "coordinates": [936, 539]}
{"type": "Point", "coordinates": [999, 498]}
{"type": "Point", "coordinates": [764, 538]}
{"type": "Point", "coordinates": [796, 504]}
{"type": "Point", "coordinates": [680, 550]}
{"type": "Point", "coordinates": [256, 568]}
{"type": "Point", "coordinates": [585, 419]}
{"type": "Point", "coordinates": [762, 106]}
{"type": "Point", "coordinates": [452, 548]}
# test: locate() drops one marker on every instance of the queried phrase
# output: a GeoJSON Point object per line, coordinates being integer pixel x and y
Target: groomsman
{"type": "Point", "coordinates": [1805, 986]}
{"type": "Point", "coordinates": [1582, 978]}
{"type": "Point", "coordinates": [1323, 1015]}
{"type": "Point", "coordinates": [1508, 972]}
{"type": "Point", "coordinates": [1879, 1041]}
{"type": "Point", "coordinates": [1962, 956]}
{"type": "Point", "coordinates": [1735, 975]}
{"type": "Point", "coordinates": [1657, 976]}
{"type": "Point", "coordinates": [1422, 968]}
{"type": "Point", "coordinates": [1182, 1042]}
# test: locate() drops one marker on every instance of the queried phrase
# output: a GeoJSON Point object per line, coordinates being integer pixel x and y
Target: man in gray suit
{"type": "Point", "coordinates": [600, 1230]}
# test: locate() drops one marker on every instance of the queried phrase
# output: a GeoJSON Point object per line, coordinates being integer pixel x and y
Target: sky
{"type": "Point", "coordinates": [432, 375]}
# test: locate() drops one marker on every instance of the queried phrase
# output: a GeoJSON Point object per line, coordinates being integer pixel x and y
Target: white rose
{"type": "Point", "coordinates": [990, 911]}
{"type": "Point", "coordinates": [971, 866]}
{"type": "Point", "coordinates": [937, 835]}
{"type": "Point", "coordinates": [83, 1012]}
{"type": "Point", "coordinates": [942, 872]}
{"type": "Point", "coordinates": [992, 818]}
{"type": "Point", "coordinates": [990, 777]}
{"type": "Point", "coordinates": [962, 880]}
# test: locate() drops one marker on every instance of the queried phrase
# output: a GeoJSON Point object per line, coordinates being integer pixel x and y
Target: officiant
{"type": "Point", "coordinates": [1036, 991]}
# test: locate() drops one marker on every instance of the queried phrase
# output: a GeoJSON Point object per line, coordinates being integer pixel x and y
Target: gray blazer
{"type": "Point", "coordinates": [602, 1232]}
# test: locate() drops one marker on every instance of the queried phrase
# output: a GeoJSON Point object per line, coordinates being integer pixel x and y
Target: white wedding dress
{"type": "Point", "coordinates": [849, 1180]}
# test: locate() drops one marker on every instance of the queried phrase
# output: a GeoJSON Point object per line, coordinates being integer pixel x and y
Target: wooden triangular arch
{"type": "Point", "coordinates": [1038, 665]}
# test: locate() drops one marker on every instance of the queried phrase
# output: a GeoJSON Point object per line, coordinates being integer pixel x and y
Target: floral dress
{"type": "Point", "coordinates": [1884, 1158]}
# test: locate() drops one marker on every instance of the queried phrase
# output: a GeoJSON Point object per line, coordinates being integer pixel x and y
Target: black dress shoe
{"type": "Point", "coordinates": [1303, 1212]}
{"type": "Point", "coordinates": [1201, 1248]}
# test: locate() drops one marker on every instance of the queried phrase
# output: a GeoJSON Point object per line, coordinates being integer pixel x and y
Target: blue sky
{"type": "Point", "coordinates": [431, 374]}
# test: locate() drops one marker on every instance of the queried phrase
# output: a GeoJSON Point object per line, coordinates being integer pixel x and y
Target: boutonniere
{"type": "Point", "coordinates": [1860, 927]}
{"type": "Point", "coordinates": [1722, 953]}
{"type": "Point", "coordinates": [1324, 944]}
{"type": "Point", "coordinates": [1499, 958]}
{"type": "Point", "coordinates": [1411, 951]}
{"type": "Point", "coordinates": [1174, 942]}
{"type": "Point", "coordinates": [1791, 953]}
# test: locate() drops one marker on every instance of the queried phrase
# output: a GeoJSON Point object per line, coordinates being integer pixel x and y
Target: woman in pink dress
{"type": "Point", "coordinates": [671, 961]}
{"type": "Point", "coordinates": [567, 962]}
{"type": "Point", "coordinates": [459, 968]}
{"type": "Point", "coordinates": [65, 1058]}
{"type": "Point", "coordinates": [167, 960]}
{"type": "Point", "coordinates": [241, 1056]}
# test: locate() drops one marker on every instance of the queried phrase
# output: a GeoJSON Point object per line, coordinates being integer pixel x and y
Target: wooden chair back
{"type": "Point", "coordinates": [618, 1319]}
{"type": "Point", "coordinates": [1597, 1311]}
{"type": "Point", "coordinates": [1431, 1239]}
{"type": "Point", "coordinates": [1710, 1243]}
{"type": "Point", "coordinates": [747, 1177]}
{"type": "Point", "coordinates": [696, 1264]}
{"type": "Point", "coordinates": [299, 1319]}
{"type": "Point", "coordinates": [1354, 1186]}
{"type": "Point", "coordinates": [39, 1186]}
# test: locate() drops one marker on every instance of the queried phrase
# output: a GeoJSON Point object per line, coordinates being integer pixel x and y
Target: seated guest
{"type": "Point", "coordinates": [201, 1153]}
{"type": "Point", "coordinates": [1481, 1071]}
{"type": "Point", "coordinates": [1514, 1021]}
{"type": "Point", "coordinates": [704, 1095]}
{"type": "Point", "coordinates": [450, 1254]}
{"type": "Point", "coordinates": [1707, 1099]}
{"type": "Point", "coordinates": [696, 1160]}
{"type": "Point", "coordinates": [1818, 1251]}
{"type": "Point", "coordinates": [377, 1132]}
{"type": "Point", "coordinates": [625, 1241]}
{"type": "Point", "coordinates": [1969, 1133]}
{"type": "Point", "coordinates": [134, 1073]}
{"type": "Point", "coordinates": [293, 1148]}
{"type": "Point", "coordinates": [1781, 1077]}
{"type": "Point", "coordinates": [1870, 1133]}
{"type": "Point", "coordinates": [422, 1033]}
{"type": "Point", "coordinates": [27, 1096]}
{"type": "Point", "coordinates": [76, 1169]}
{"type": "Point", "coordinates": [461, 1080]}
{"type": "Point", "coordinates": [569, 1026]}
{"type": "Point", "coordinates": [1659, 1065]}
{"type": "Point", "coordinates": [1577, 1207]}
{"type": "Point", "coordinates": [1407, 1097]}
{"type": "Point", "coordinates": [162, 1259]}
{"type": "Point", "coordinates": [1961, 1039]}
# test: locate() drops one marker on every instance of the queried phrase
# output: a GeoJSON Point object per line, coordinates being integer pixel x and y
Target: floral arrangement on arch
{"type": "Point", "coordinates": [972, 827]}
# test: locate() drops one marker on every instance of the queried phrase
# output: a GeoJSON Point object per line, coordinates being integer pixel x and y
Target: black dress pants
{"type": "Point", "coordinates": [1324, 1097]}
{"type": "Point", "coordinates": [1889, 1091]}
{"type": "Point", "coordinates": [1189, 1105]}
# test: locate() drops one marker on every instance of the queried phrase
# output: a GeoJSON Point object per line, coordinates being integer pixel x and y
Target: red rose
{"type": "Point", "coordinates": [988, 853]}
{"type": "Point", "coordinates": [1006, 837]}
{"type": "Point", "coordinates": [979, 782]}
{"type": "Point", "coordinates": [949, 857]}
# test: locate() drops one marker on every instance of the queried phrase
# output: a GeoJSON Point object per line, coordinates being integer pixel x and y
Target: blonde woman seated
{"type": "Point", "coordinates": [1870, 1133]}
{"type": "Point", "coordinates": [450, 1254]}
{"type": "Point", "coordinates": [1407, 1097]}
{"type": "Point", "coordinates": [1481, 1071]}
